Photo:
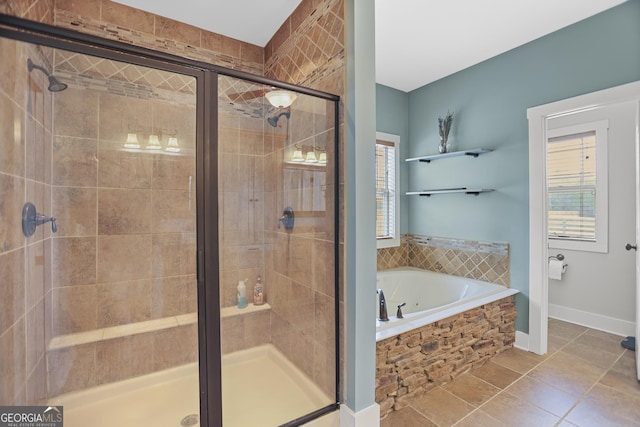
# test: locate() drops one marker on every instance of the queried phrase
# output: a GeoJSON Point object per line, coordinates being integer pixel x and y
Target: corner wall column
{"type": "Point", "coordinates": [360, 264]}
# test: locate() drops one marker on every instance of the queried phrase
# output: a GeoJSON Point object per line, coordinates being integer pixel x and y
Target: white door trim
{"type": "Point", "coordinates": [637, 154]}
{"type": "Point", "coordinates": [538, 248]}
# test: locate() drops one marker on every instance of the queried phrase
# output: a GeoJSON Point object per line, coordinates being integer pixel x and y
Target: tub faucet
{"type": "Point", "coordinates": [383, 307]}
{"type": "Point", "coordinates": [399, 312]}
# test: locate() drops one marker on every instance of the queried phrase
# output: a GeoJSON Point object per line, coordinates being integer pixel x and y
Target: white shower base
{"type": "Point", "coordinates": [260, 387]}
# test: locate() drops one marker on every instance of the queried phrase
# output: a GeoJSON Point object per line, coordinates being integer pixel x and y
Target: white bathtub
{"type": "Point", "coordinates": [429, 297]}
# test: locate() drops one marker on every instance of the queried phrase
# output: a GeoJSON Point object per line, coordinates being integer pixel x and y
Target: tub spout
{"type": "Point", "coordinates": [383, 307]}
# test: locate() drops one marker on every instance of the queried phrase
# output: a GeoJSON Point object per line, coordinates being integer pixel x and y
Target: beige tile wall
{"type": "Point", "coordinates": [125, 251]}
{"type": "Point", "coordinates": [308, 49]}
{"type": "Point", "coordinates": [115, 21]}
{"type": "Point", "coordinates": [25, 175]}
{"type": "Point", "coordinates": [466, 258]}
{"type": "Point", "coordinates": [126, 225]}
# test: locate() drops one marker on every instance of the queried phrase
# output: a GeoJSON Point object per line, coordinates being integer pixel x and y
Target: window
{"type": "Point", "coordinates": [387, 184]}
{"type": "Point", "coordinates": [577, 187]}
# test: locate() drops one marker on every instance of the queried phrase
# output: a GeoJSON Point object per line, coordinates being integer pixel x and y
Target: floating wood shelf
{"type": "Point", "coordinates": [473, 153]}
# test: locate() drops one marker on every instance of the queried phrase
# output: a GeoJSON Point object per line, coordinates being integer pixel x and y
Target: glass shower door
{"type": "Point", "coordinates": [99, 306]}
{"type": "Point", "coordinates": [277, 251]}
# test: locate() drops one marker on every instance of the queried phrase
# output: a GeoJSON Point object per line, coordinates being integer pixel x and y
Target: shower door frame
{"type": "Point", "coordinates": [207, 256]}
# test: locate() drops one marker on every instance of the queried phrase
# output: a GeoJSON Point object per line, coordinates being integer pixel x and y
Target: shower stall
{"type": "Point", "coordinates": [144, 196]}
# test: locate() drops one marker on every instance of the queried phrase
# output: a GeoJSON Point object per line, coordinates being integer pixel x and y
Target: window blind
{"type": "Point", "coordinates": [385, 189]}
{"type": "Point", "coordinates": [571, 183]}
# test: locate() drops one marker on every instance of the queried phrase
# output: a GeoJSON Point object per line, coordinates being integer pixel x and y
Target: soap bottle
{"type": "Point", "coordinates": [242, 294]}
{"type": "Point", "coordinates": [258, 292]}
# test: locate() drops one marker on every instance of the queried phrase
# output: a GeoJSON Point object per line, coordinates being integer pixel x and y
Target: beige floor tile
{"type": "Point", "coordinates": [514, 411]}
{"type": "Point", "coordinates": [518, 360]}
{"type": "Point", "coordinates": [406, 417]}
{"type": "Point", "coordinates": [495, 374]}
{"type": "Point", "coordinates": [479, 419]}
{"type": "Point", "coordinates": [441, 407]}
{"type": "Point", "coordinates": [543, 396]}
{"type": "Point", "coordinates": [622, 376]}
{"type": "Point", "coordinates": [472, 389]}
{"type": "Point", "coordinates": [604, 340]}
{"type": "Point", "coordinates": [592, 351]}
{"type": "Point", "coordinates": [566, 330]}
{"type": "Point", "coordinates": [555, 344]}
{"type": "Point", "coordinates": [604, 406]}
{"type": "Point", "coordinates": [568, 373]}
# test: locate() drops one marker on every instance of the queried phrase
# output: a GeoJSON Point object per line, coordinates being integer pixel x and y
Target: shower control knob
{"type": "Point", "coordinates": [629, 246]}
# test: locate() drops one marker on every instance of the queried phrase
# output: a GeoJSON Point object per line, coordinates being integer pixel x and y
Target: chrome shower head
{"type": "Point", "coordinates": [55, 85]}
{"type": "Point", "coordinates": [273, 121]}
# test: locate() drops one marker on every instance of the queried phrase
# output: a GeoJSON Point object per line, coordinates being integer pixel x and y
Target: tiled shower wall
{"type": "Point", "coordinates": [25, 263]}
{"type": "Point", "coordinates": [125, 248]}
{"type": "Point", "coordinates": [485, 261]}
{"type": "Point", "coordinates": [308, 49]}
{"type": "Point", "coordinates": [243, 145]}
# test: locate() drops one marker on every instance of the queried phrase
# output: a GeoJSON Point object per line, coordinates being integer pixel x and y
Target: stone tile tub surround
{"type": "Point", "coordinates": [487, 261]}
{"type": "Point", "coordinates": [412, 363]}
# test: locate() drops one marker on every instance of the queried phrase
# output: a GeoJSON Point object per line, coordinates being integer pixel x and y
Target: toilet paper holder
{"type": "Point", "coordinates": [559, 257]}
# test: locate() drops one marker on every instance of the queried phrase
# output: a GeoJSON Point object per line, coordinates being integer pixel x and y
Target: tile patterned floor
{"type": "Point", "coordinates": [586, 379]}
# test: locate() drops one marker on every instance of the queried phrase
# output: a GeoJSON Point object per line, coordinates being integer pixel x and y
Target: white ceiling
{"type": "Point", "coordinates": [252, 21]}
{"type": "Point", "coordinates": [420, 41]}
{"type": "Point", "coordinates": [417, 41]}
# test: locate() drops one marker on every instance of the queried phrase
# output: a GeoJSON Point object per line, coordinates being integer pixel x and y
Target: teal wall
{"type": "Point", "coordinates": [490, 102]}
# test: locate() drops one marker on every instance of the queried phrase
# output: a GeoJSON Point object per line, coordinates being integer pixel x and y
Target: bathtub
{"type": "Point", "coordinates": [429, 297]}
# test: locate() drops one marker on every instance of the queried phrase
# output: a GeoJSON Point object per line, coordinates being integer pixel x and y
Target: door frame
{"type": "Point", "coordinates": [538, 247]}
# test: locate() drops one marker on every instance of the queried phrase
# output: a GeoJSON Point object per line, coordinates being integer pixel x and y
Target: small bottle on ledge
{"type": "Point", "coordinates": [258, 292]}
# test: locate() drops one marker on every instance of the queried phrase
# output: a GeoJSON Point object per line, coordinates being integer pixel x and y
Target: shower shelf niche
{"type": "Point", "coordinates": [126, 330]}
{"type": "Point", "coordinates": [250, 308]}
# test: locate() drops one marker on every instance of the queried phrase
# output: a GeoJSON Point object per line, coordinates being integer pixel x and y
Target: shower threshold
{"type": "Point", "coordinates": [260, 388]}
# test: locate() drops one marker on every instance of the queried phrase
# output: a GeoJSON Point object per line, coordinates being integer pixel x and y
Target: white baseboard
{"type": "Point", "coordinates": [367, 417]}
{"type": "Point", "coordinates": [611, 325]}
{"type": "Point", "coordinates": [522, 341]}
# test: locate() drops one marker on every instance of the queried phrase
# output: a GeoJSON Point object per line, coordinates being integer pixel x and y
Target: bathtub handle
{"type": "Point", "coordinates": [399, 312]}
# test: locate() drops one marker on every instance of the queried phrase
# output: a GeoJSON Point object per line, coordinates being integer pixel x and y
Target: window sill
{"type": "Point", "coordinates": [388, 243]}
{"type": "Point", "coordinates": [577, 245]}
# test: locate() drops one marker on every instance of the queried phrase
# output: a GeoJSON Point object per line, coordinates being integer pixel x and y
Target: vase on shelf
{"type": "Point", "coordinates": [443, 147]}
{"type": "Point", "coordinates": [444, 126]}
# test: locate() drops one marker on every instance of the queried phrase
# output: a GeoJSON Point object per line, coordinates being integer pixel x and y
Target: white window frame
{"type": "Point", "coordinates": [601, 242]}
{"type": "Point", "coordinates": [394, 240]}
